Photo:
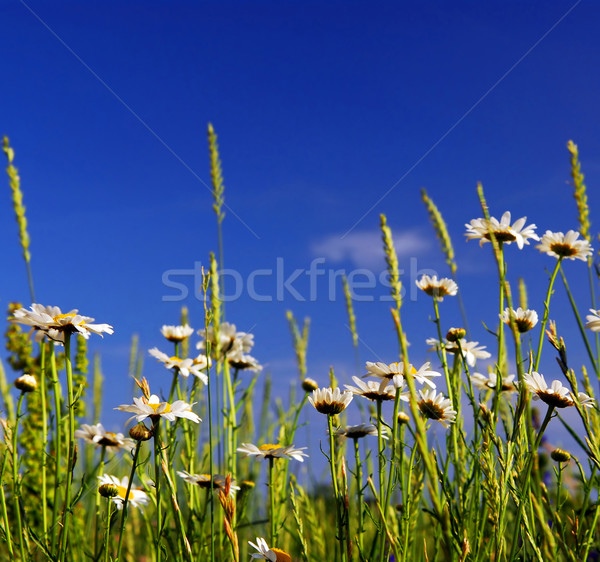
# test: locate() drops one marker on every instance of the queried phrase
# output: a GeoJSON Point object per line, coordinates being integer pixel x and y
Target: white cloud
{"type": "Point", "coordinates": [365, 249]}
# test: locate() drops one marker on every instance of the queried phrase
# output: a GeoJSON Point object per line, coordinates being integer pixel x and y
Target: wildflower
{"type": "Point", "coordinates": [435, 407]}
{"type": "Point", "coordinates": [185, 367]}
{"type": "Point", "coordinates": [136, 498]}
{"type": "Point", "coordinates": [555, 395]}
{"type": "Point", "coordinates": [593, 320]}
{"type": "Point", "coordinates": [97, 435]}
{"type": "Point", "coordinates": [471, 350]}
{"type": "Point", "coordinates": [330, 401]}
{"type": "Point", "coordinates": [373, 391]}
{"type": "Point", "coordinates": [308, 384]}
{"type": "Point", "coordinates": [525, 320]}
{"type": "Point", "coordinates": [358, 431]}
{"type": "Point", "coordinates": [395, 372]}
{"type": "Point", "coordinates": [491, 380]}
{"type": "Point", "coordinates": [266, 553]}
{"type": "Point", "coordinates": [140, 432]}
{"type": "Point", "coordinates": [403, 418]}
{"type": "Point", "coordinates": [176, 334]}
{"type": "Point", "coordinates": [231, 342]}
{"type": "Point", "coordinates": [270, 451]}
{"type": "Point", "coordinates": [154, 409]}
{"type": "Point", "coordinates": [559, 245]}
{"type": "Point", "coordinates": [108, 490]}
{"type": "Point", "coordinates": [455, 334]}
{"type": "Point", "coordinates": [244, 361]}
{"type": "Point", "coordinates": [203, 481]}
{"type": "Point", "coordinates": [26, 383]}
{"type": "Point", "coordinates": [438, 289]}
{"type": "Point", "coordinates": [49, 320]}
{"type": "Point", "coordinates": [481, 229]}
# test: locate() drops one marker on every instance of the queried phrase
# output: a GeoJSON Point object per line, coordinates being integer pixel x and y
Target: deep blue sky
{"type": "Point", "coordinates": [320, 108]}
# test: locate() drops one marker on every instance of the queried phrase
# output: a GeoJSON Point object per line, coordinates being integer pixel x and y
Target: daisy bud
{"type": "Point", "coordinates": [308, 385]}
{"type": "Point", "coordinates": [559, 455]}
{"type": "Point", "coordinates": [26, 383]}
{"type": "Point", "coordinates": [140, 432]}
{"type": "Point", "coordinates": [108, 490]}
{"type": "Point", "coordinates": [403, 418]}
{"type": "Point", "coordinates": [455, 334]}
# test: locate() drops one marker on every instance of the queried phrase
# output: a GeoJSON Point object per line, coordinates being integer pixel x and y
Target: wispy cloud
{"type": "Point", "coordinates": [365, 248]}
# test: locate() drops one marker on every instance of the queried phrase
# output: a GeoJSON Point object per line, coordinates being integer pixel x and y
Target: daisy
{"type": "Point", "coordinates": [185, 367]}
{"type": "Point", "coordinates": [490, 381]}
{"type": "Point", "coordinates": [470, 349]}
{"type": "Point", "coordinates": [593, 320]}
{"type": "Point", "coordinates": [270, 451]}
{"type": "Point", "coordinates": [330, 401]}
{"type": "Point", "coordinates": [481, 229]}
{"type": "Point", "coordinates": [373, 391]}
{"type": "Point", "coordinates": [51, 321]}
{"type": "Point", "coordinates": [555, 395]}
{"type": "Point", "coordinates": [230, 340]}
{"type": "Point", "coordinates": [176, 334]}
{"type": "Point", "coordinates": [437, 289]}
{"type": "Point", "coordinates": [358, 431]}
{"type": "Point", "coordinates": [266, 553]}
{"type": "Point", "coordinates": [97, 435]}
{"type": "Point", "coordinates": [244, 362]}
{"type": "Point", "coordinates": [559, 245]}
{"type": "Point", "coordinates": [137, 498]}
{"type": "Point", "coordinates": [395, 372]}
{"type": "Point", "coordinates": [154, 409]}
{"type": "Point", "coordinates": [203, 481]}
{"type": "Point", "coordinates": [525, 320]}
{"type": "Point", "coordinates": [436, 407]}
{"type": "Point", "coordinates": [25, 383]}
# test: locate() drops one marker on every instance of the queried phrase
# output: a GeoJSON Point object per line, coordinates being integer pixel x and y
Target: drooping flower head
{"type": "Point", "coordinates": [203, 481]}
{"type": "Point", "coordinates": [436, 407]}
{"type": "Point", "coordinates": [97, 435]}
{"type": "Point", "coordinates": [482, 229]}
{"type": "Point", "coordinates": [50, 321]}
{"type": "Point", "coordinates": [559, 245]}
{"type": "Point", "coordinates": [372, 390]}
{"type": "Point", "coordinates": [556, 394]}
{"type": "Point", "coordinates": [438, 289]}
{"type": "Point", "coordinates": [271, 451]}
{"type": "Point", "coordinates": [358, 431]}
{"type": "Point", "coordinates": [136, 498]}
{"type": "Point", "coordinates": [490, 382]}
{"type": "Point", "coordinates": [330, 401]}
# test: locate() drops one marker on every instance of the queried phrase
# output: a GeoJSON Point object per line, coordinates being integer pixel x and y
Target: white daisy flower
{"type": "Point", "coordinates": [437, 289]}
{"type": "Point", "coordinates": [185, 367]}
{"type": "Point", "coordinates": [52, 322]}
{"type": "Point", "coordinates": [395, 372]}
{"type": "Point", "coordinates": [559, 245]}
{"type": "Point", "coordinates": [203, 481]}
{"type": "Point", "coordinates": [154, 409]}
{"type": "Point", "coordinates": [231, 342]}
{"type": "Point", "coordinates": [176, 334]}
{"type": "Point", "coordinates": [556, 394]}
{"type": "Point", "coordinates": [244, 362]}
{"type": "Point", "coordinates": [593, 320]}
{"type": "Point", "coordinates": [480, 229]}
{"type": "Point", "coordinates": [470, 349]}
{"type": "Point", "coordinates": [137, 498]}
{"type": "Point", "coordinates": [489, 381]}
{"type": "Point", "coordinates": [266, 553]}
{"type": "Point", "coordinates": [271, 451]}
{"type": "Point", "coordinates": [97, 435]}
{"type": "Point", "coordinates": [373, 391]}
{"type": "Point", "coordinates": [330, 401]}
{"type": "Point", "coordinates": [525, 320]}
{"type": "Point", "coordinates": [435, 406]}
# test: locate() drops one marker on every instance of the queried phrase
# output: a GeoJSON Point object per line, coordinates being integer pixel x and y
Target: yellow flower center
{"type": "Point", "coordinates": [563, 250]}
{"type": "Point", "coordinates": [67, 316]}
{"type": "Point", "coordinates": [281, 555]}
{"type": "Point", "coordinates": [411, 368]}
{"type": "Point", "coordinates": [156, 406]}
{"type": "Point", "coordinates": [175, 359]}
{"type": "Point", "coordinates": [268, 447]}
{"type": "Point", "coordinates": [123, 491]}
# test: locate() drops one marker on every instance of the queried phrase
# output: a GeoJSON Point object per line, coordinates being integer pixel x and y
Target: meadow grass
{"type": "Point", "coordinates": [203, 474]}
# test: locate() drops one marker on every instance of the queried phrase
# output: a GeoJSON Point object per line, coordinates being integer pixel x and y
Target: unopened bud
{"type": "Point", "coordinates": [455, 334]}
{"type": "Point", "coordinates": [26, 383]}
{"type": "Point", "coordinates": [403, 418]}
{"type": "Point", "coordinates": [559, 455]}
{"type": "Point", "coordinates": [140, 432]}
{"type": "Point", "coordinates": [108, 490]}
{"type": "Point", "coordinates": [308, 385]}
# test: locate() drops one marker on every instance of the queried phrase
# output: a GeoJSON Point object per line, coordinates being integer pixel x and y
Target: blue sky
{"type": "Point", "coordinates": [327, 115]}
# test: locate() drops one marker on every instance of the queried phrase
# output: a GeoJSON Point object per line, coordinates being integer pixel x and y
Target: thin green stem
{"type": "Point", "coordinates": [107, 531]}
{"type": "Point", "coordinates": [157, 445]}
{"type": "Point", "coordinates": [336, 492]}
{"type": "Point", "coordinates": [538, 355]}
{"type": "Point", "coordinates": [272, 501]}
{"type": "Point", "coordinates": [126, 500]}
{"type": "Point", "coordinates": [57, 443]}
{"type": "Point", "coordinates": [44, 444]}
{"type": "Point", "coordinates": [16, 486]}
{"type": "Point", "coordinates": [7, 531]}
{"type": "Point", "coordinates": [98, 496]}
{"type": "Point", "coordinates": [359, 492]}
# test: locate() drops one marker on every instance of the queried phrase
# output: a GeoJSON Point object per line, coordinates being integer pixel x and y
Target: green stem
{"type": "Point", "coordinates": [126, 500]}
{"type": "Point", "coordinates": [272, 501]}
{"type": "Point", "coordinates": [336, 492]}
{"type": "Point", "coordinates": [538, 355]}
{"type": "Point", "coordinates": [359, 491]}
{"type": "Point", "coordinates": [44, 437]}
{"type": "Point", "coordinates": [16, 487]}
{"type": "Point", "coordinates": [107, 530]}
{"type": "Point", "coordinates": [57, 442]}
{"type": "Point", "coordinates": [7, 532]}
{"type": "Point", "coordinates": [157, 444]}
